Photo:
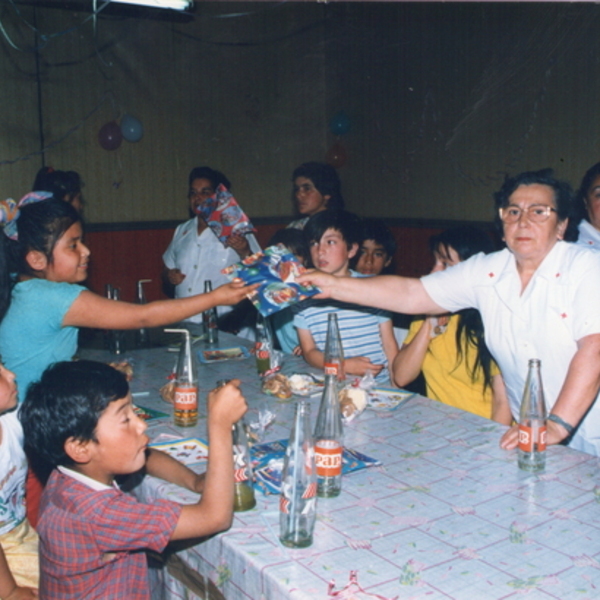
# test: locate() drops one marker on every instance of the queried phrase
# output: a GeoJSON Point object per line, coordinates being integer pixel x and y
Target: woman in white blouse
{"type": "Point", "coordinates": [538, 298]}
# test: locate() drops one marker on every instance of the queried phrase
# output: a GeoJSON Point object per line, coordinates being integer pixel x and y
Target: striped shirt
{"type": "Point", "coordinates": [359, 329]}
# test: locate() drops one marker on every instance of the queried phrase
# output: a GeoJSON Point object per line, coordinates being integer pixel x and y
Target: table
{"type": "Point", "coordinates": [447, 515]}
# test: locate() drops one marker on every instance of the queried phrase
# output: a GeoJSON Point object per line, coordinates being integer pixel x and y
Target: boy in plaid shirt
{"type": "Point", "coordinates": [79, 418]}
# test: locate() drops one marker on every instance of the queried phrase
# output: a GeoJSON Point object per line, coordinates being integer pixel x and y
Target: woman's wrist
{"type": "Point", "coordinates": [562, 423]}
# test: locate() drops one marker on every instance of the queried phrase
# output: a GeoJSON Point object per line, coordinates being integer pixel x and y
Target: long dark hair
{"type": "Point", "coordinates": [467, 241]}
{"type": "Point", "coordinates": [39, 225]}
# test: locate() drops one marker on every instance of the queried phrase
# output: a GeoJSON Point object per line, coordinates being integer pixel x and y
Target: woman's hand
{"type": "Point", "coordinates": [510, 439]}
{"type": "Point", "coordinates": [555, 434]}
{"type": "Point", "coordinates": [174, 276]}
{"type": "Point", "coordinates": [240, 244]}
{"type": "Point", "coordinates": [325, 282]}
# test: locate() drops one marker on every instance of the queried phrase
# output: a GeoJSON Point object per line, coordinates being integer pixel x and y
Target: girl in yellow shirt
{"type": "Point", "coordinates": [450, 350]}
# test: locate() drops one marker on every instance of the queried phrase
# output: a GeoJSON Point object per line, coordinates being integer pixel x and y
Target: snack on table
{"type": "Point", "coordinates": [167, 392]}
{"type": "Point", "coordinates": [277, 385]}
{"type": "Point", "coordinates": [352, 401]}
{"type": "Point", "coordinates": [124, 367]}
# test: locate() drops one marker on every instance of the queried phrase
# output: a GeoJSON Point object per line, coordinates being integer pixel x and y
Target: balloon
{"type": "Point", "coordinates": [340, 123]}
{"type": "Point", "coordinates": [110, 136]}
{"type": "Point", "coordinates": [131, 128]}
{"type": "Point", "coordinates": [336, 156]}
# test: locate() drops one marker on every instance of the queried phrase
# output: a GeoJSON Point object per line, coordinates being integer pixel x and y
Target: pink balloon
{"type": "Point", "coordinates": [110, 136]}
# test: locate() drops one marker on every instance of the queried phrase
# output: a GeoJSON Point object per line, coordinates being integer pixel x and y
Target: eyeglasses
{"type": "Point", "coordinates": [536, 213]}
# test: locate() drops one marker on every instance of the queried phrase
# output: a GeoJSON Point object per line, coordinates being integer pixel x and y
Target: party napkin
{"type": "Point", "coordinates": [267, 463]}
{"type": "Point", "coordinates": [224, 216]}
{"type": "Point", "coordinates": [275, 270]}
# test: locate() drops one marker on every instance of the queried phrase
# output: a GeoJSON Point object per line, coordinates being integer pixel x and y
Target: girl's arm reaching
{"type": "Point", "coordinates": [92, 310]}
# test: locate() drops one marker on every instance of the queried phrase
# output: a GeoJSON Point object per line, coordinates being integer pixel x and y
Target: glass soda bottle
{"type": "Point", "coordinates": [142, 338]}
{"type": "Point", "coordinates": [209, 319]}
{"type": "Point", "coordinates": [329, 442]}
{"type": "Point", "coordinates": [532, 422]}
{"type": "Point", "coordinates": [298, 502]}
{"type": "Point", "coordinates": [243, 498]}
{"type": "Point", "coordinates": [334, 353]}
{"type": "Point", "coordinates": [186, 384]}
{"type": "Point", "coordinates": [264, 344]}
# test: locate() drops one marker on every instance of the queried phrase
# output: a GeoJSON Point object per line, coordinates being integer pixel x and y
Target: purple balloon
{"type": "Point", "coordinates": [110, 136]}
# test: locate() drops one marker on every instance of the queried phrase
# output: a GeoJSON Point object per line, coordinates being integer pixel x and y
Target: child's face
{"type": "Point", "coordinates": [445, 256]}
{"type": "Point", "coordinates": [309, 200]}
{"type": "Point", "coordinates": [120, 445]}
{"type": "Point", "coordinates": [69, 258]}
{"type": "Point", "coordinates": [8, 389]}
{"type": "Point", "coordinates": [372, 258]}
{"type": "Point", "coordinates": [331, 253]}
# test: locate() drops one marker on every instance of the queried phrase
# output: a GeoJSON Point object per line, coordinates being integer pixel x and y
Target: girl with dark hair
{"type": "Point", "coordinates": [450, 350]}
{"type": "Point", "coordinates": [63, 185]}
{"type": "Point", "coordinates": [48, 304]}
{"type": "Point", "coordinates": [317, 187]}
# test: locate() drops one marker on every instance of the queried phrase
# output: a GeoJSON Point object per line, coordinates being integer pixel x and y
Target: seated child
{"type": "Point", "coordinates": [19, 568]}
{"type": "Point", "coordinates": [283, 321]}
{"type": "Point", "coordinates": [375, 257]}
{"type": "Point", "coordinates": [367, 334]}
{"type": "Point", "coordinates": [80, 419]}
{"type": "Point", "coordinates": [450, 350]}
{"type": "Point", "coordinates": [376, 250]}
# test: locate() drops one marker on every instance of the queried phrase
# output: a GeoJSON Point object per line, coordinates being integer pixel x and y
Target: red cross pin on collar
{"type": "Point", "coordinates": [564, 315]}
{"type": "Point", "coordinates": [491, 275]}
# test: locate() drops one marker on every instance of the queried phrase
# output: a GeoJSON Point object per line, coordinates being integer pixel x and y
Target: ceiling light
{"type": "Point", "coordinates": [172, 4]}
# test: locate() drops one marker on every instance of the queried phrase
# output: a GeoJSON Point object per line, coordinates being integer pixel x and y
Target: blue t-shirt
{"type": "Point", "coordinates": [31, 334]}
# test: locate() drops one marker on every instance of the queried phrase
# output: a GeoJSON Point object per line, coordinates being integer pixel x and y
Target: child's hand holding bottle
{"type": "Point", "coordinates": [226, 405]}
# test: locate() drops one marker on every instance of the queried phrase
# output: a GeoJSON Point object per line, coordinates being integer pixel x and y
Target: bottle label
{"type": "Point", "coordinates": [186, 398]}
{"type": "Point", "coordinates": [331, 369]}
{"type": "Point", "coordinates": [240, 475]}
{"type": "Point", "coordinates": [528, 441]}
{"type": "Point", "coordinates": [262, 354]}
{"type": "Point", "coordinates": [328, 458]}
{"type": "Point", "coordinates": [310, 491]}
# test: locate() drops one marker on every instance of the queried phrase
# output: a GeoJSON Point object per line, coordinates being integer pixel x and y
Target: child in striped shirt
{"type": "Point", "coordinates": [367, 334]}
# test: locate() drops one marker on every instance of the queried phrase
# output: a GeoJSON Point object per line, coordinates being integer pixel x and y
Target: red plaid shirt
{"type": "Point", "coordinates": [92, 543]}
